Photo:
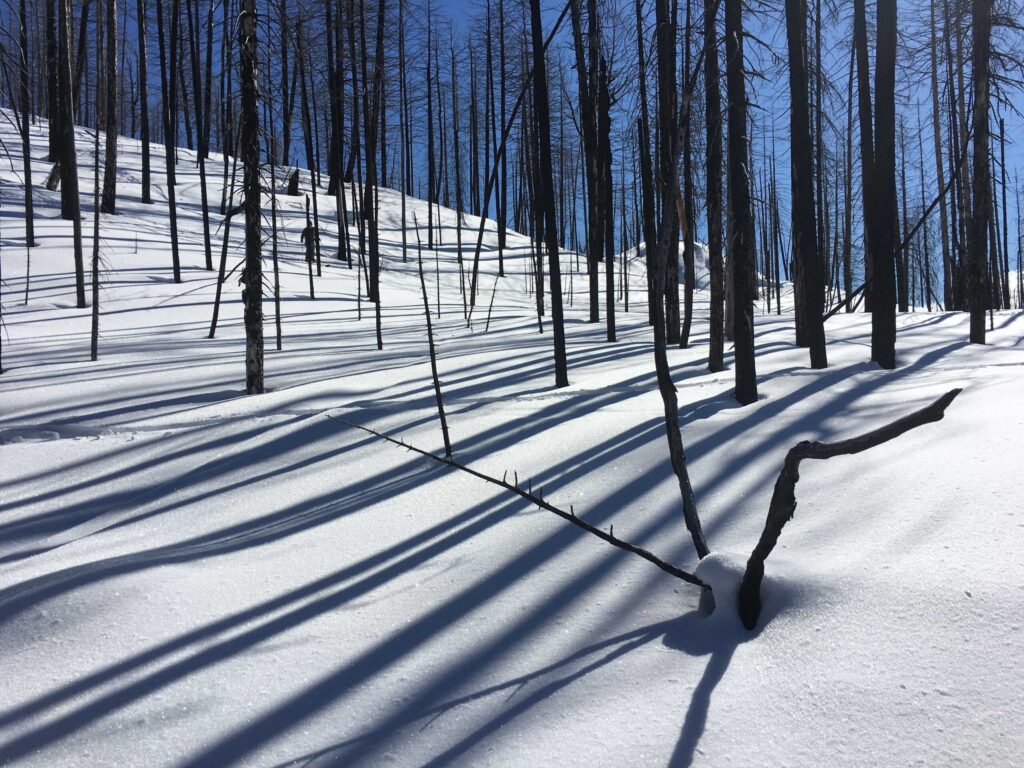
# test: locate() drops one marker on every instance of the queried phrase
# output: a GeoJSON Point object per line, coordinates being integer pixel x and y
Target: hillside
{"type": "Point", "coordinates": [190, 576]}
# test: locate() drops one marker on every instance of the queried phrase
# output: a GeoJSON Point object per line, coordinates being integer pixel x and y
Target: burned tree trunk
{"type": "Point", "coordinates": [169, 83]}
{"type": "Point", "coordinates": [252, 276]}
{"type": "Point", "coordinates": [430, 342]}
{"type": "Point", "coordinates": [742, 245]}
{"type": "Point", "coordinates": [546, 203]}
{"type": "Point", "coordinates": [25, 107]}
{"type": "Point", "coordinates": [667, 152]}
{"type": "Point", "coordinates": [70, 202]}
{"type": "Point", "coordinates": [713, 125]}
{"type": "Point", "coordinates": [977, 257]}
{"type": "Point", "coordinates": [197, 88]}
{"type": "Point", "coordinates": [109, 204]}
{"type": "Point", "coordinates": [883, 195]}
{"type": "Point", "coordinates": [811, 285]}
{"type": "Point", "coordinates": [605, 155]}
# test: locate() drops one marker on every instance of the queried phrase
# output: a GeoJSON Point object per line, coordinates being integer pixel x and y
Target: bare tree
{"type": "Point", "coordinates": [70, 202]}
{"type": "Point", "coordinates": [252, 275]}
{"type": "Point", "coordinates": [977, 232]}
{"type": "Point", "coordinates": [742, 239]}
{"type": "Point", "coordinates": [109, 204]}
{"type": "Point", "coordinates": [546, 203]}
{"type": "Point", "coordinates": [810, 285]}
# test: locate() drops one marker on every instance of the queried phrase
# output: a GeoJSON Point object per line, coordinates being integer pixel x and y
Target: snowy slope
{"type": "Point", "coordinates": [189, 576]}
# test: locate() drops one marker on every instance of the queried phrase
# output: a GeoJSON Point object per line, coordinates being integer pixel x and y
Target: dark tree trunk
{"type": "Point", "coordinates": [456, 151]}
{"type": "Point", "coordinates": [169, 81]}
{"type": "Point", "coordinates": [848, 193]}
{"type": "Point", "coordinates": [713, 175]}
{"type": "Point", "coordinates": [939, 171]}
{"type": "Point", "coordinates": [650, 233]}
{"type": "Point", "coordinates": [977, 257]}
{"type": "Point", "coordinates": [808, 259]}
{"type": "Point", "coordinates": [867, 142]}
{"type": "Point", "coordinates": [109, 204]}
{"type": "Point", "coordinates": [81, 57]}
{"type": "Point", "coordinates": [666, 51]}
{"type": "Point", "coordinates": [252, 276]}
{"type": "Point", "coordinates": [547, 203]}
{"type": "Point", "coordinates": [688, 217]}
{"type": "Point", "coordinates": [144, 100]}
{"type": "Point", "coordinates": [605, 150]}
{"type": "Point", "coordinates": [273, 237]}
{"type": "Point", "coordinates": [25, 108]}
{"type": "Point", "coordinates": [883, 196]}
{"type": "Point", "coordinates": [433, 354]}
{"type": "Point", "coordinates": [94, 335]}
{"type": "Point", "coordinates": [742, 249]}
{"type": "Point", "coordinates": [502, 180]}
{"type": "Point", "coordinates": [197, 93]}
{"type": "Point", "coordinates": [52, 86]}
{"type": "Point", "coordinates": [370, 194]}
{"type": "Point", "coordinates": [590, 130]}
{"type": "Point", "coordinates": [70, 202]}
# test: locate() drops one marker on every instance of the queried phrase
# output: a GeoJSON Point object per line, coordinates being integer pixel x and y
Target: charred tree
{"type": "Point", "coordinates": [24, 109]}
{"type": "Point", "coordinates": [70, 202]}
{"type": "Point", "coordinates": [169, 85]}
{"type": "Point", "coordinates": [140, 11]}
{"type": "Point", "coordinates": [546, 203]}
{"type": "Point", "coordinates": [810, 283]}
{"type": "Point", "coordinates": [109, 204]}
{"type": "Point", "coordinates": [252, 275]}
{"type": "Point", "coordinates": [977, 233]}
{"type": "Point", "coordinates": [713, 177]}
{"type": "Point", "coordinates": [742, 236]}
{"type": "Point", "coordinates": [883, 221]}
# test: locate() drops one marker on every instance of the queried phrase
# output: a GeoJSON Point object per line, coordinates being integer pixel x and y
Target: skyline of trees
{"type": "Point", "coordinates": [592, 131]}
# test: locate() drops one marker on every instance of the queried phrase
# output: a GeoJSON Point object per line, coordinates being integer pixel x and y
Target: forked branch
{"type": "Point", "coordinates": [783, 503]}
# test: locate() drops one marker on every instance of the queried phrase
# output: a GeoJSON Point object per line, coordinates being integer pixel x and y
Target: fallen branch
{"type": "Point", "coordinates": [539, 501]}
{"type": "Point", "coordinates": [783, 503]}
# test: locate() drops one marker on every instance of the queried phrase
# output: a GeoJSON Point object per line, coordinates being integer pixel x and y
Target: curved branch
{"type": "Point", "coordinates": [783, 503]}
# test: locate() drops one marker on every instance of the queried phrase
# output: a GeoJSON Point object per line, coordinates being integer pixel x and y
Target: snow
{"type": "Point", "coordinates": [190, 576]}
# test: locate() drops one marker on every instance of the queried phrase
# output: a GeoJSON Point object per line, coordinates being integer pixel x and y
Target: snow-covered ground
{"type": "Point", "coordinates": [190, 576]}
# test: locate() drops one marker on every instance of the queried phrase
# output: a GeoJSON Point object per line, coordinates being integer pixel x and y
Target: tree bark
{"type": "Point", "coordinates": [109, 204]}
{"type": "Point", "coordinates": [70, 202]}
{"type": "Point", "coordinates": [169, 81]}
{"type": "Point", "coordinates": [977, 257]}
{"type": "Point", "coordinates": [883, 193]}
{"type": "Point", "coordinates": [739, 204]}
{"type": "Point", "coordinates": [252, 276]}
{"type": "Point", "coordinates": [546, 203]}
{"type": "Point", "coordinates": [805, 239]}
{"type": "Point", "coordinates": [25, 108]}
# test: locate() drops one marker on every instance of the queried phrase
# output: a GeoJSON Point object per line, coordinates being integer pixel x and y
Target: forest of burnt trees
{"type": "Point", "coordinates": [500, 123]}
{"type": "Point", "coordinates": [598, 128]}
{"type": "Point", "coordinates": [607, 133]}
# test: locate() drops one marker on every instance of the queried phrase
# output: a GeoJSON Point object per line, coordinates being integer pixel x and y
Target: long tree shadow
{"type": "Point", "coordinates": [225, 649]}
